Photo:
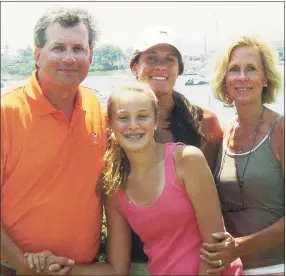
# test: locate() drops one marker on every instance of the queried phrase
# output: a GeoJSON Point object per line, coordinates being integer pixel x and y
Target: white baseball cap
{"type": "Point", "coordinates": [155, 36]}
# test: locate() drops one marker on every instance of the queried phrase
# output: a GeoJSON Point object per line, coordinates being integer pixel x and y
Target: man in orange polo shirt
{"type": "Point", "coordinates": [52, 145]}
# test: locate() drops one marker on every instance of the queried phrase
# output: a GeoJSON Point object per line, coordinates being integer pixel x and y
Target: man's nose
{"type": "Point", "coordinates": [69, 57]}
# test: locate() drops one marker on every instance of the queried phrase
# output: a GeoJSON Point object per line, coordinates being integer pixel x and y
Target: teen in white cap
{"type": "Point", "coordinates": [157, 60]}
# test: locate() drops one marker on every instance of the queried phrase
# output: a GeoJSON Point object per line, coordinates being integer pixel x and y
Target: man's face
{"type": "Point", "coordinates": [65, 58]}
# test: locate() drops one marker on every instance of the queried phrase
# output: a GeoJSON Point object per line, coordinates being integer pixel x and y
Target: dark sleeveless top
{"type": "Point", "coordinates": [185, 121]}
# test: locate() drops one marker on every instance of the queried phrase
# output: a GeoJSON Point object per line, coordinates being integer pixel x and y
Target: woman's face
{"type": "Point", "coordinates": [245, 76]}
{"type": "Point", "coordinates": [133, 120]}
{"type": "Point", "coordinates": [158, 67]}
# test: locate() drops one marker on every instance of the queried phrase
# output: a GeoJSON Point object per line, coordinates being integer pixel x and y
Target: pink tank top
{"type": "Point", "coordinates": [168, 228]}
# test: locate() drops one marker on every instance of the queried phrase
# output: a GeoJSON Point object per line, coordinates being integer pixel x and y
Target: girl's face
{"type": "Point", "coordinates": [133, 120]}
{"type": "Point", "coordinates": [245, 76]}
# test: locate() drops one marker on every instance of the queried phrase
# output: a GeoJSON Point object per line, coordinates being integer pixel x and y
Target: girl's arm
{"type": "Point", "coordinates": [118, 245]}
{"type": "Point", "coordinates": [194, 173]}
{"type": "Point", "coordinates": [119, 237]}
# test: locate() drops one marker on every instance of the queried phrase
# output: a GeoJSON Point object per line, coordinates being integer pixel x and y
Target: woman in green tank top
{"type": "Point", "coordinates": [250, 167]}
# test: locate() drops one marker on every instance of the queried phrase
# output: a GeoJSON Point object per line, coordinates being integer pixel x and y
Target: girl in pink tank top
{"type": "Point", "coordinates": [165, 193]}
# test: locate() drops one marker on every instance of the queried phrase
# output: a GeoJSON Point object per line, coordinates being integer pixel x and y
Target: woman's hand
{"type": "Point", "coordinates": [51, 264]}
{"type": "Point", "coordinates": [219, 255]}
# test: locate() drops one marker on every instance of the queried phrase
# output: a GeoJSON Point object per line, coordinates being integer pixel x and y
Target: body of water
{"type": "Point", "coordinates": [197, 94]}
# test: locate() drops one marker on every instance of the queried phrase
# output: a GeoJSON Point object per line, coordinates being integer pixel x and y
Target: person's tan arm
{"type": "Point", "coordinates": [13, 255]}
{"type": "Point", "coordinates": [213, 135]}
{"type": "Point", "coordinates": [118, 245]}
{"type": "Point", "coordinates": [231, 248]}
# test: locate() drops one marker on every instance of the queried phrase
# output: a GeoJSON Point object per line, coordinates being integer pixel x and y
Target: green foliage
{"type": "Point", "coordinates": [102, 249]}
{"type": "Point", "coordinates": [22, 64]}
{"type": "Point", "coordinates": [105, 58]}
{"type": "Point", "coordinates": [108, 57]}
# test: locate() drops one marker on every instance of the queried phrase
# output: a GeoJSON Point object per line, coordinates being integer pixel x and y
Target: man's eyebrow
{"type": "Point", "coordinates": [63, 44]}
{"type": "Point", "coordinates": [58, 43]}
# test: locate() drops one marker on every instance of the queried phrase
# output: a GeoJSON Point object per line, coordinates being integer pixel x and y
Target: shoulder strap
{"type": "Point", "coordinates": [170, 148]}
{"type": "Point", "coordinates": [171, 178]}
{"type": "Point", "coordinates": [275, 124]}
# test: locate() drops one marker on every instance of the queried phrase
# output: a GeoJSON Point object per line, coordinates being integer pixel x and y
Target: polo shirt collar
{"type": "Point", "coordinates": [41, 104]}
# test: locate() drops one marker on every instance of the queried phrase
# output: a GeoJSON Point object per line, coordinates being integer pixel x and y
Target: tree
{"type": "Point", "coordinates": [22, 64]}
{"type": "Point", "coordinates": [108, 57]}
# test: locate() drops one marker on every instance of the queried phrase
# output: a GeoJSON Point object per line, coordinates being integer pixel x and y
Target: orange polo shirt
{"type": "Point", "coordinates": [49, 171]}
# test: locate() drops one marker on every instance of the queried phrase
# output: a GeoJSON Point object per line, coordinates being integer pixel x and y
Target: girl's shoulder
{"type": "Point", "coordinates": [186, 155]}
{"type": "Point", "coordinates": [189, 160]}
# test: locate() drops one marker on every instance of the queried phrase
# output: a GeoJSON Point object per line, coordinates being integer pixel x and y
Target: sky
{"type": "Point", "coordinates": [197, 23]}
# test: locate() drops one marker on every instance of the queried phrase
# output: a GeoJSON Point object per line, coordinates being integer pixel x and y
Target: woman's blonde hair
{"type": "Point", "coordinates": [116, 165]}
{"type": "Point", "coordinates": [221, 62]}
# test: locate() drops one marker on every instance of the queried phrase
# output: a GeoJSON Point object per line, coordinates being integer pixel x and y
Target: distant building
{"type": "Point", "coordinates": [279, 46]}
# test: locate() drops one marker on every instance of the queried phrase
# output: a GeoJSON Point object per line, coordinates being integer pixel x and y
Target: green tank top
{"type": "Point", "coordinates": [263, 195]}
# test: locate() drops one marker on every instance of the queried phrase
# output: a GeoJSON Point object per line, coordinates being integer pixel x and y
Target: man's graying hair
{"type": "Point", "coordinates": [66, 18]}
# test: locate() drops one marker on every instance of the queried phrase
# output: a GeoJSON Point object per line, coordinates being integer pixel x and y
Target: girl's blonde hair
{"type": "Point", "coordinates": [116, 166]}
{"type": "Point", "coordinates": [269, 61]}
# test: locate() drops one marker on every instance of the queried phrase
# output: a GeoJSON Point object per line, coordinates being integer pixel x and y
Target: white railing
{"type": "Point", "coordinates": [267, 270]}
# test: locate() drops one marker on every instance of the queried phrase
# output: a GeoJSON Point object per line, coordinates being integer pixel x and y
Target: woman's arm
{"type": "Point", "coordinates": [118, 245]}
{"type": "Point", "coordinates": [213, 137]}
{"type": "Point", "coordinates": [195, 174]}
{"type": "Point", "coordinates": [278, 144]}
{"type": "Point", "coordinates": [231, 248]}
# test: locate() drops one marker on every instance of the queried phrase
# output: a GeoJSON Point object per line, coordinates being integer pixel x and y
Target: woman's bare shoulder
{"type": "Point", "coordinates": [211, 127]}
